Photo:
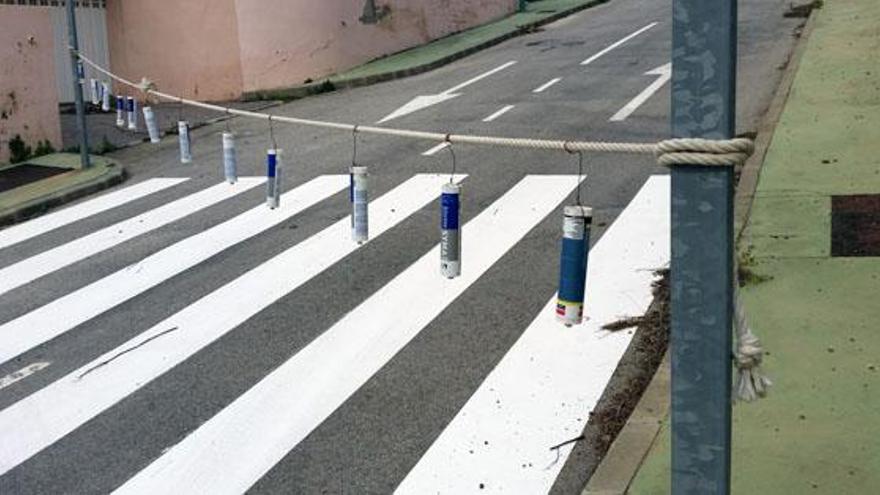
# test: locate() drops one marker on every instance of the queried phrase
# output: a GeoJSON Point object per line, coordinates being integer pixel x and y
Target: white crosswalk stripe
{"type": "Point", "coordinates": [81, 395]}
{"type": "Point", "coordinates": [540, 393]}
{"type": "Point", "coordinates": [235, 448]}
{"type": "Point", "coordinates": [59, 316]}
{"type": "Point", "coordinates": [32, 268]}
{"type": "Point", "coordinates": [46, 223]}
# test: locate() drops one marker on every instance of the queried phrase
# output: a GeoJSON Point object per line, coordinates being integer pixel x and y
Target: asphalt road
{"type": "Point", "coordinates": [368, 400]}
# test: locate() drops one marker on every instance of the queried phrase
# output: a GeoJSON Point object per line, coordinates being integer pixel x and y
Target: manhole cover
{"type": "Point", "coordinates": [19, 175]}
{"type": "Point", "coordinates": [855, 225]}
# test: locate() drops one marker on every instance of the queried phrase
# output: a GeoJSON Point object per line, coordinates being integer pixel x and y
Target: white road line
{"type": "Point", "coordinates": [41, 225]}
{"type": "Point", "coordinates": [69, 402]}
{"type": "Point", "coordinates": [499, 113]}
{"type": "Point", "coordinates": [435, 149]}
{"type": "Point", "coordinates": [543, 87]}
{"type": "Point", "coordinates": [617, 43]}
{"type": "Point", "coordinates": [425, 101]}
{"type": "Point", "coordinates": [542, 391]}
{"type": "Point", "coordinates": [61, 315]}
{"type": "Point", "coordinates": [480, 77]}
{"type": "Point", "coordinates": [665, 74]}
{"type": "Point", "coordinates": [22, 374]}
{"type": "Point", "coordinates": [47, 262]}
{"type": "Point", "coordinates": [232, 450]}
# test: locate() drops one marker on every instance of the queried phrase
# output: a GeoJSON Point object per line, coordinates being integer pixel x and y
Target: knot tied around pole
{"type": "Point", "coordinates": [707, 152]}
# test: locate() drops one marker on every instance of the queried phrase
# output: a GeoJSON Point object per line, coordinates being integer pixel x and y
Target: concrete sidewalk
{"type": "Point", "coordinates": [817, 310]}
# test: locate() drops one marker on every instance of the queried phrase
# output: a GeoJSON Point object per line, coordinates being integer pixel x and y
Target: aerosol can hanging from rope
{"type": "Point", "coordinates": [120, 111]}
{"type": "Point", "coordinates": [95, 92]}
{"type": "Point", "coordinates": [358, 192]}
{"type": "Point", "coordinates": [105, 97]}
{"type": "Point", "coordinates": [152, 127]}
{"type": "Point", "coordinates": [450, 233]}
{"type": "Point", "coordinates": [132, 114]}
{"type": "Point", "coordinates": [230, 160]}
{"type": "Point", "coordinates": [573, 264]}
{"type": "Point", "coordinates": [183, 138]}
{"type": "Point", "coordinates": [273, 178]}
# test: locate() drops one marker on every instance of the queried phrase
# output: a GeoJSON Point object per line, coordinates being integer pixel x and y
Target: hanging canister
{"type": "Point", "coordinates": [183, 138]}
{"type": "Point", "coordinates": [273, 178]}
{"type": "Point", "coordinates": [573, 264]}
{"type": "Point", "coordinates": [152, 127]}
{"type": "Point", "coordinates": [230, 160]}
{"type": "Point", "coordinates": [450, 232]}
{"type": "Point", "coordinates": [359, 210]}
{"type": "Point", "coordinates": [105, 97]}
{"type": "Point", "coordinates": [95, 92]}
{"type": "Point", "coordinates": [120, 111]}
{"type": "Point", "coordinates": [132, 114]}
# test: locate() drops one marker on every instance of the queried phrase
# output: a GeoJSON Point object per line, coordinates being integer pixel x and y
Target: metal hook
{"type": "Point", "coordinates": [179, 108]}
{"type": "Point", "coordinates": [272, 133]}
{"type": "Point", "coordinates": [228, 118]}
{"type": "Point", "coordinates": [354, 145]}
{"type": "Point", "coordinates": [580, 174]}
{"type": "Point", "coordinates": [452, 152]}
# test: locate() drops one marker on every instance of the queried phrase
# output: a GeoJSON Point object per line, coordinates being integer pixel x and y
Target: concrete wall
{"type": "Point", "coordinates": [285, 42]}
{"type": "Point", "coordinates": [186, 47]}
{"type": "Point", "coordinates": [28, 98]}
{"type": "Point", "coordinates": [218, 49]}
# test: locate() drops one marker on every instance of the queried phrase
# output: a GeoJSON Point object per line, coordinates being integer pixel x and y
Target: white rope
{"type": "Point", "coordinates": [670, 152]}
{"type": "Point", "coordinates": [751, 383]}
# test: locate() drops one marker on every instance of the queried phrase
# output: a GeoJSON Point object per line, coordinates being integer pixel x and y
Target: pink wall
{"type": "Point", "coordinates": [28, 98]}
{"type": "Point", "coordinates": [285, 42]}
{"type": "Point", "coordinates": [218, 49]}
{"type": "Point", "coordinates": [186, 47]}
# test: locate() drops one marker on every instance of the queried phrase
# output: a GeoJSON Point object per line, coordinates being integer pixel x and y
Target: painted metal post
{"type": "Point", "coordinates": [78, 79]}
{"type": "Point", "coordinates": [703, 105]}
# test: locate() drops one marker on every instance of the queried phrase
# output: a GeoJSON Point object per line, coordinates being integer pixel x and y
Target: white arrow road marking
{"type": "Point", "coordinates": [41, 225]}
{"type": "Point", "coordinates": [63, 314]}
{"type": "Point", "coordinates": [42, 418]}
{"type": "Point", "coordinates": [47, 262]}
{"type": "Point", "coordinates": [665, 74]}
{"type": "Point", "coordinates": [499, 113]}
{"type": "Point", "coordinates": [617, 44]}
{"type": "Point", "coordinates": [22, 374]}
{"type": "Point", "coordinates": [232, 450]}
{"type": "Point", "coordinates": [420, 102]}
{"type": "Point", "coordinates": [542, 391]}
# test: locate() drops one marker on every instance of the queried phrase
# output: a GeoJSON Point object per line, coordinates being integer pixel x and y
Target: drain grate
{"type": "Point", "coordinates": [855, 225]}
{"type": "Point", "coordinates": [19, 175]}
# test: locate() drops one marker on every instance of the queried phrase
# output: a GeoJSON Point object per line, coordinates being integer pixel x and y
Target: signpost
{"type": "Point", "coordinates": [78, 79]}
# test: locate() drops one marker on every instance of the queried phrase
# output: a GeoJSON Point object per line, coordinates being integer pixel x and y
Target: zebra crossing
{"type": "Point", "coordinates": [238, 445]}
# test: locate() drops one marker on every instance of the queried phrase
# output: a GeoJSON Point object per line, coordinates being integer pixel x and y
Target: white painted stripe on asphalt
{"type": "Point", "coordinates": [22, 374]}
{"type": "Point", "coordinates": [47, 262]}
{"type": "Point", "coordinates": [542, 391]}
{"type": "Point", "coordinates": [543, 87]}
{"type": "Point", "coordinates": [617, 44]}
{"type": "Point", "coordinates": [59, 316]}
{"type": "Point", "coordinates": [41, 225]}
{"type": "Point", "coordinates": [499, 113]}
{"type": "Point", "coordinates": [480, 77]}
{"type": "Point", "coordinates": [69, 402]}
{"type": "Point", "coordinates": [435, 149]}
{"type": "Point", "coordinates": [232, 450]}
{"type": "Point", "coordinates": [665, 74]}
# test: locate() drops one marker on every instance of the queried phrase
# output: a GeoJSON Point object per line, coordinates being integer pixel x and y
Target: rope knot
{"type": "Point", "coordinates": [146, 85]}
{"type": "Point", "coordinates": [697, 151]}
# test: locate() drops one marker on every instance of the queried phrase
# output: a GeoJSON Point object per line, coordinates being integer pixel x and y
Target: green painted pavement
{"type": "Point", "coordinates": [818, 316]}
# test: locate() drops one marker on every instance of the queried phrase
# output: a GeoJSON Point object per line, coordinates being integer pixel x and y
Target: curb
{"type": "Point", "coordinates": [330, 84]}
{"type": "Point", "coordinates": [637, 437]}
{"type": "Point", "coordinates": [114, 174]}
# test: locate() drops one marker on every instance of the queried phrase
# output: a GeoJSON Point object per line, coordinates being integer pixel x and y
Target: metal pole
{"type": "Point", "coordinates": [78, 80]}
{"type": "Point", "coordinates": [522, 5]}
{"type": "Point", "coordinates": [703, 105]}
